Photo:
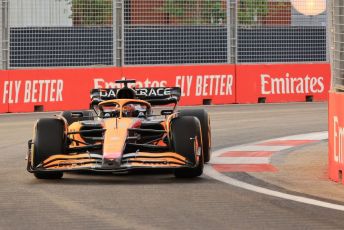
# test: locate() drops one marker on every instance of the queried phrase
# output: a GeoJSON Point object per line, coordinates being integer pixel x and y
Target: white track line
{"type": "Point", "coordinates": [260, 148]}
{"type": "Point", "coordinates": [240, 160]}
{"type": "Point", "coordinates": [211, 172]}
{"type": "Point", "coordinates": [310, 136]}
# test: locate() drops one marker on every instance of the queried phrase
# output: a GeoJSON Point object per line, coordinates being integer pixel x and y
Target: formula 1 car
{"type": "Point", "coordinates": [122, 134]}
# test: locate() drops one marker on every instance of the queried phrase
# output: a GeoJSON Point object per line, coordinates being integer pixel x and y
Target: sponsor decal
{"type": "Point", "coordinates": [338, 141]}
{"type": "Point", "coordinates": [336, 136]}
{"type": "Point", "coordinates": [282, 82]}
{"type": "Point", "coordinates": [200, 85]}
{"type": "Point", "coordinates": [143, 92]}
{"type": "Point", "coordinates": [154, 92]}
{"type": "Point", "coordinates": [206, 85]}
{"type": "Point", "coordinates": [32, 91]}
{"type": "Point", "coordinates": [109, 93]}
{"type": "Point", "coordinates": [102, 83]}
{"type": "Point", "coordinates": [291, 85]}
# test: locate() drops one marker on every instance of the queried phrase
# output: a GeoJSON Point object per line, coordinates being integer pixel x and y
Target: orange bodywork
{"type": "Point", "coordinates": [111, 156]}
{"type": "Point", "coordinates": [67, 157]}
{"type": "Point", "coordinates": [76, 126]}
{"type": "Point", "coordinates": [115, 136]}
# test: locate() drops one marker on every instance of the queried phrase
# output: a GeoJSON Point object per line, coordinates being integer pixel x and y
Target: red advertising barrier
{"type": "Point", "coordinates": [215, 83]}
{"type": "Point", "coordinates": [336, 136]}
{"type": "Point", "coordinates": [54, 89]}
{"type": "Point", "coordinates": [282, 82]}
{"type": "Point", "coordinates": [66, 89]}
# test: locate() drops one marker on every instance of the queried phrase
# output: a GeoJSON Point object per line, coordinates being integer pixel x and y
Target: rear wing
{"type": "Point", "coordinates": [154, 95]}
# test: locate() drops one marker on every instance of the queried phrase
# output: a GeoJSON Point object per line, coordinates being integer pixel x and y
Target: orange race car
{"type": "Point", "coordinates": [122, 134]}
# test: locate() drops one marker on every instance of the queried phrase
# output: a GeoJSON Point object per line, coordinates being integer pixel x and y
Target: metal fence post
{"type": "Point", "coordinates": [229, 36]}
{"type": "Point", "coordinates": [122, 28]}
{"type": "Point", "coordinates": [337, 56]}
{"type": "Point", "coordinates": [329, 29]}
{"type": "Point", "coordinates": [114, 33]}
{"type": "Point", "coordinates": [329, 37]}
{"type": "Point", "coordinates": [1, 33]}
{"type": "Point", "coordinates": [117, 32]}
{"type": "Point", "coordinates": [4, 35]}
{"type": "Point", "coordinates": [236, 22]}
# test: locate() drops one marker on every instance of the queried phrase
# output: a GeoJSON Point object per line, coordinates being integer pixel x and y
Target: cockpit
{"type": "Point", "coordinates": [124, 108]}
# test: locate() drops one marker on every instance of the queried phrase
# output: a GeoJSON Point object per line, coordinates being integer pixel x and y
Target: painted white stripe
{"type": "Point", "coordinates": [209, 171]}
{"type": "Point", "coordinates": [319, 136]}
{"type": "Point", "coordinates": [240, 160]}
{"type": "Point", "coordinates": [316, 136]}
{"type": "Point", "coordinates": [273, 148]}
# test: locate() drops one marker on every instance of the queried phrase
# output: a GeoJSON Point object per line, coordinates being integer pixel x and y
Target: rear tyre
{"type": "Point", "coordinates": [204, 119]}
{"type": "Point", "coordinates": [49, 140]}
{"type": "Point", "coordinates": [74, 116]}
{"type": "Point", "coordinates": [188, 143]}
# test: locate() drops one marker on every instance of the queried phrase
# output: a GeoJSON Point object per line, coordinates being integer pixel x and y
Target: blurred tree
{"type": "Point", "coordinates": [249, 11]}
{"type": "Point", "coordinates": [214, 11]}
{"type": "Point", "coordinates": [196, 11]}
{"type": "Point", "coordinates": [91, 12]}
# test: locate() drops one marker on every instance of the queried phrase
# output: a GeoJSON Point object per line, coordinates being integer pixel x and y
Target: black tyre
{"type": "Point", "coordinates": [49, 140]}
{"type": "Point", "coordinates": [74, 116]}
{"type": "Point", "coordinates": [188, 143]}
{"type": "Point", "coordinates": [204, 119]}
{"type": "Point", "coordinates": [48, 175]}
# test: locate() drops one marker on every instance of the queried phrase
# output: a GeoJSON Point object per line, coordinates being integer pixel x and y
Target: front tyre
{"type": "Point", "coordinates": [186, 140]}
{"type": "Point", "coordinates": [204, 120]}
{"type": "Point", "coordinates": [49, 139]}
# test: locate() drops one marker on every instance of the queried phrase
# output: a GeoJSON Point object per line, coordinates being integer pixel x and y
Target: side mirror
{"type": "Point", "coordinates": [95, 101]}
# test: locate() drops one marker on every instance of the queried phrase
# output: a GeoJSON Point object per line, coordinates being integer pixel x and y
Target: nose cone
{"type": "Point", "coordinates": [112, 156]}
{"type": "Point", "coordinates": [115, 138]}
{"type": "Point", "coordinates": [112, 160]}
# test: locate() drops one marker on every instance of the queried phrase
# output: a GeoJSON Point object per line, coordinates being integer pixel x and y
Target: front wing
{"type": "Point", "coordinates": [129, 161]}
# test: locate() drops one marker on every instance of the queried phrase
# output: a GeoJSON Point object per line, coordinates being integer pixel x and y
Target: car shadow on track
{"type": "Point", "coordinates": [132, 178]}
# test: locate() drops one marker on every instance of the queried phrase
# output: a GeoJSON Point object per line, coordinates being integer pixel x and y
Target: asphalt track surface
{"type": "Point", "coordinates": [159, 201]}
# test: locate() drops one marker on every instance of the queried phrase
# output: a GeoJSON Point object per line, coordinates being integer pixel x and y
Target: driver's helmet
{"type": "Point", "coordinates": [108, 111]}
{"type": "Point", "coordinates": [134, 110]}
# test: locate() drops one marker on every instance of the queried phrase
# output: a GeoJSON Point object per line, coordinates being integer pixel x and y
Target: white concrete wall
{"type": "Point", "coordinates": [39, 13]}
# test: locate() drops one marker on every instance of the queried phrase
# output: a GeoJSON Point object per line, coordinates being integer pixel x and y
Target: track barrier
{"type": "Point", "coordinates": [336, 136]}
{"type": "Point", "coordinates": [29, 90]}
{"type": "Point", "coordinates": [273, 83]}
